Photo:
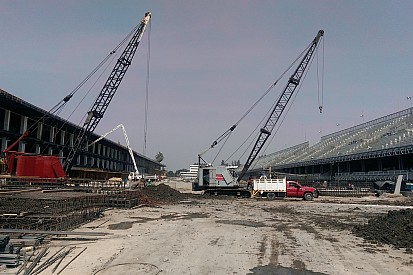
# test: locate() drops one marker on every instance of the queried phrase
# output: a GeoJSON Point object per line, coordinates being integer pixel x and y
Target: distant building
{"type": "Point", "coordinates": [192, 173]}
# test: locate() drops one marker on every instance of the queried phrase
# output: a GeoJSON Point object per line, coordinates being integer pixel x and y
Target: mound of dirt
{"type": "Point", "coordinates": [160, 194]}
{"type": "Point", "coordinates": [395, 228]}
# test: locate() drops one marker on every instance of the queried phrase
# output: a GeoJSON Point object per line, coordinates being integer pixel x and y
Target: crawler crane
{"type": "Point", "coordinates": [223, 179]}
{"type": "Point", "coordinates": [22, 164]}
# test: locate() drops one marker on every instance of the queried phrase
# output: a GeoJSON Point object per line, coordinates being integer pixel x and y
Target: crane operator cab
{"type": "Point", "coordinates": [215, 177]}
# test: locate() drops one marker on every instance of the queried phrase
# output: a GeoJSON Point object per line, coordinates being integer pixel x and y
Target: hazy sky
{"type": "Point", "coordinates": [209, 62]}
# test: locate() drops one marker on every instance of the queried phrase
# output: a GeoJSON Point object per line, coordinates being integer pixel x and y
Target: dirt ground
{"type": "Point", "coordinates": [212, 235]}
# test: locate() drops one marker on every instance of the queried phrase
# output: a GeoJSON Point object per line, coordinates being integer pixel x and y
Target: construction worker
{"type": "Point", "coordinates": [250, 183]}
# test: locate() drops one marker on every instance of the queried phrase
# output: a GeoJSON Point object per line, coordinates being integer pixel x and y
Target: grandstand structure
{"type": "Point", "coordinates": [376, 150]}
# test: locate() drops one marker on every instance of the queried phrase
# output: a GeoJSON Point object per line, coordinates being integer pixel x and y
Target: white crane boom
{"type": "Point", "coordinates": [136, 173]}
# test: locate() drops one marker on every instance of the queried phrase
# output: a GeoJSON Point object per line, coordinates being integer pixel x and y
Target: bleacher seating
{"type": "Point", "coordinates": [391, 131]}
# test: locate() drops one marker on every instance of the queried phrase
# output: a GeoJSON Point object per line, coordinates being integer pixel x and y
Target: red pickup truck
{"type": "Point", "coordinates": [296, 190]}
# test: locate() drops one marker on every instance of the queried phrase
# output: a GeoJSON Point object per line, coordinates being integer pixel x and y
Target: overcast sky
{"type": "Point", "coordinates": [209, 62]}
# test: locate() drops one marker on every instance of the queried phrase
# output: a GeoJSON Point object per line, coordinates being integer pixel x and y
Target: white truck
{"type": "Point", "coordinates": [272, 188]}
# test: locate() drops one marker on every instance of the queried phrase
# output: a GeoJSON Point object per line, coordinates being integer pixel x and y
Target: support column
{"type": "Point", "coordinates": [3, 143]}
{"type": "Point", "coordinates": [62, 138]}
{"type": "Point", "coordinates": [380, 164]}
{"type": "Point", "coordinates": [72, 137]}
{"type": "Point", "coordinates": [401, 164]}
{"type": "Point", "coordinates": [39, 130]}
{"type": "Point", "coordinates": [37, 149]}
{"type": "Point", "coordinates": [23, 124]}
{"type": "Point", "coordinates": [22, 146]}
{"type": "Point", "coordinates": [6, 122]}
{"type": "Point", "coordinates": [52, 131]}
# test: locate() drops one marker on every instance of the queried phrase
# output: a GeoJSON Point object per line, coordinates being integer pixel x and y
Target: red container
{"type": "Point", "coordinates": [39, 166]}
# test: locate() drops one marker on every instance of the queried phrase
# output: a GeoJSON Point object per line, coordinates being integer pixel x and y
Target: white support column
{"type": "Point", "coordinates": [6, 122]}
{"type": "Point", "coordinates": [37, 149]}
{"type": "Point", "coordinates": [22, 147]}
{"type": "Point", "coordinates": [52, 131]}
{"type": "Point", "coordinates": [39, 130]}
{"type": "Point", "coordinates": [72, 137]}
{"type": "Point", "coordinates": [23, 124]}
{"type": "Point", "coordinates": [62, 138]}
{"type": "Point", "coordinates": [4, 143]}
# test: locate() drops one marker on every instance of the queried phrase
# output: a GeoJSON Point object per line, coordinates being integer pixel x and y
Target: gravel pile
{"type": "Point", "coordinates": [395, 228]}
{"type": "Point", "coordinates": [160, 194]}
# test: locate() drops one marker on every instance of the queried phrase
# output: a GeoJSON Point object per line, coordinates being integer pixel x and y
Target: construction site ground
{"type": "Point", "coordinates": [173, 232]}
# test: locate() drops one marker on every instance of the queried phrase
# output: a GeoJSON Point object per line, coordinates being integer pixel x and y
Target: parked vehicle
{"type": "Point", "coordinates": [296, 190]}
{"type": "Point", "coordinates": [281, 188]}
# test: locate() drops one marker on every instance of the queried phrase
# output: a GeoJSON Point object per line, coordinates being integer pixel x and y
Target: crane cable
{"type": "Point", "coordinates": [266, 92]}
{"type": "Point", "coordinates": [220, 149]}
{"type": "Point", "coordinates": [293, 99]}
{"type": "Point", "coordinates": [58, 107]}
{"type": "Point", "coordinates": [145, 129]}
{"type": "Point", "coordinates": [112, 55]}
{"type": "Point", "coordinates": [320, 90]}
{"type": "Point", "coordinates": [56, 110]}
{"type": "Point", "coordinates": [272, 107]}
{"type": "Point", "coordinates": [230, 130]}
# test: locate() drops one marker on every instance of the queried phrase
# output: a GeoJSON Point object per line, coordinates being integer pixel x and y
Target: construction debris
{"type": "Point", "coordinates": [9, 260]}
{"type": "Point", "coordinates": [160, 194]}
{"type": "Point", "coordinates": [29, 214]}
{"type": "Point", "coordinates": [394, 228]}
{"type": "Point", "coordinates": [44, 232]}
